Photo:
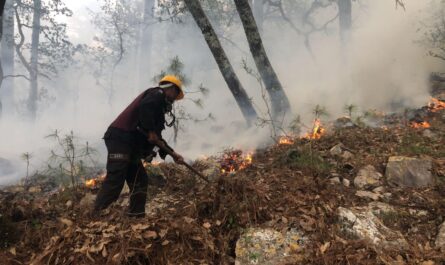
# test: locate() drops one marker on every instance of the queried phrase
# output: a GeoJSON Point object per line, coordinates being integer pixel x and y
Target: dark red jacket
{"type": "Point", "coordinates": [147, 111]}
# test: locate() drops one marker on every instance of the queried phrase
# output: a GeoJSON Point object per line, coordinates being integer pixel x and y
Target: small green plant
{"type": "Point", "coordinates": [320, 111]}
{"type": "Point", "coordinates": [253, 256]}
{"type": "Point", "coordinates": [306, 159]}
{"type": "Point", "coordinates": [27, 158]}
{"type": "Point", "coordinates": [350, 109]}
{"type": "Point", "coordinates": [295, 125]}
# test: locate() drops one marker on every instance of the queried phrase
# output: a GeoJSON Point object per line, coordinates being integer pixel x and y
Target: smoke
{"type": "Point", "coordinates": [382, 66]}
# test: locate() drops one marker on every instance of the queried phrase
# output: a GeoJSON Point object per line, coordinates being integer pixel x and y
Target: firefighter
{"type": "Point", "coordinates": [126, 144]}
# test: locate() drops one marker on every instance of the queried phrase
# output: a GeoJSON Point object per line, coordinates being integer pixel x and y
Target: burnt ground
{"type": "Point", "coordinates": [286, 186]}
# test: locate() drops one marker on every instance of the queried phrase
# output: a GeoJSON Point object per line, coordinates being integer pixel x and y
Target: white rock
{"type": "Point", "coordinates": [268, 247]}
{"type": "Point", "coordinates": [363, 224]}
{"type": "Point", "coordinates": [347, 155]}
{"type": "Point", "coordinates": [380, 189]}
{"type": "Point", "coordinates": [367, 194]}
{"type": "Point", "coordinates": [409, 172]}
{"type": "Point", "coordinates": [368, 177]}
{"type": "Point", "coordinates": [337, 150]}
{"type": "Point", "coordinates": [335, 180]}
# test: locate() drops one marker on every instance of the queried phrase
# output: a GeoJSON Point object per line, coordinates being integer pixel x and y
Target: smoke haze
{"type": "Point", "coordinates": [382, 67]}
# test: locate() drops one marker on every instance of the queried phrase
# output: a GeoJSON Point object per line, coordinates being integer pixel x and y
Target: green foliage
{"type": "Point", "coordinates": [350, 109]}
{"type": "Point", "coordinates": [27, 158]}
{"type": "Point", "coordinates": [305, 159]}
{"type": "Point", "coordinates": [295, 125]}
{"type": "Point", "coordinates": [175, 67]}
{"type": "Point", "coordinates": [320, 111]}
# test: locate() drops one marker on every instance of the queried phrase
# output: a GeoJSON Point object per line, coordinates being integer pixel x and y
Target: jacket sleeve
{"type": "Point", "coordinates": [150, 109]}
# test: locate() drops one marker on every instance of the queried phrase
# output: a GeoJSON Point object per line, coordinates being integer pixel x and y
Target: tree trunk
{"type": "Point", "coordinates": [2, 6]}
{"type": "Point", "coordinates": [33, 95]}
{"type": "Point", "coordinates": [345, 19]}
{"type": "Point", "coordinates": [145, 45]}
{"type": "Point", "coordinates": [7, 55]}
{"type": "Point", "coordinates": [222, 61]}
{"type": "Point", "coordinates": [258, 13]}
{"type": "Point", "coordinates": [279, 101]}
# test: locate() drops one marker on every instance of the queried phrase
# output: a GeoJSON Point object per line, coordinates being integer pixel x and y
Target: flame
{"type": "Point", "coordinates": [436, 105]}
{"type": "Point", "coordinates": [155, 163]}
{"type": "Point", "coordinates": [152, 163]}
{"type": "Point", "coordinates": [317, 131]}
{"type": "Point", "coordinates": [420, 125]}
{"type": "Point", "coordinates": [285, 140]}
{"type": "Point", "coordinates": [92, 183]}
{"type": "Point", "coordinates": [233, 161]}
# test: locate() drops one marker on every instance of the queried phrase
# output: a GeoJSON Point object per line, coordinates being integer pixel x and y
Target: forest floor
{"type": "Point", "coordinates": [299, 186]}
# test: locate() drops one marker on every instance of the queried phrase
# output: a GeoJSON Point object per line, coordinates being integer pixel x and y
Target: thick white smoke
{"type": "Point", "coordinates": [382, 66]}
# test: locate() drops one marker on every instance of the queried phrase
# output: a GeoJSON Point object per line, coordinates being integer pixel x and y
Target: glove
{"type": "Point", "coordinates": [162, 153]}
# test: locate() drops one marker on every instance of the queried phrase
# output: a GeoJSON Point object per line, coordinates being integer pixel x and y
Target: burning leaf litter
{"type": "Point", "coordinates": [191, 222]}
{"type": "Point", "coordinates": [235, 160]}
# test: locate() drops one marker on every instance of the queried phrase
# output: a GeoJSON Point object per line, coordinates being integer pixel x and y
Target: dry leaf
{"type": "Point", "coordinates": [207, 225]}
{"type": "Point", "coordinates": [13, 251]}
{"type": "Point", "coordinates": [137, 227]}
{"type": "Point", "coordinates": [163, 232]}
{"type": "Point", "coordinates": [165, 242]}
{"type": "Point", "coordinates": [66, 221]}
{"type": "Point", "coordinates": [116, 258]}
{"type": "Point", "coordinates": [325, 247]}
{"type": "Point", "coordinates": [104, 252]}
{"type": "Point", "coordinates": [150, 234]}
{"type": "Point", "coordinates": [96, 248]}
{"type": "Point", "coordinates": [188, 220]}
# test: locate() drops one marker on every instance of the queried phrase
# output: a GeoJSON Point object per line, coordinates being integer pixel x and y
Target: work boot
{"type": "Point", "coordinates": [135, 215]}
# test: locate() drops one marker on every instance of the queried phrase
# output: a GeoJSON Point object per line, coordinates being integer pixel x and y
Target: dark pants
{"type": "Point", "coordinates": [123, 165]}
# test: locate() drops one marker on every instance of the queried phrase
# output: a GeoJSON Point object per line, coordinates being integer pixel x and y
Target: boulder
{"type": "Point", "coordinates": [440, 239]}
{"type": "Point", "coordinates": [368, 177]}
{"type": "Point", "coordinates": [337, 150]}
{"type": "Point", "coordinates": [361, 223]}
{"type": "Point", "coordinates": [269, 247]}
{"type": "Point", "coordinates": [409, 172]}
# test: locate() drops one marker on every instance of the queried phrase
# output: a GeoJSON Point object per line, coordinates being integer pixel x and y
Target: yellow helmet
{"type": "Point", "coordinates": [176, 81]}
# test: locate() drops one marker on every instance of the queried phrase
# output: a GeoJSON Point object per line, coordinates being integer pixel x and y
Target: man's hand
{"type": "Point", "coordinates": [153, 137]}
{"type": "Point", "coordinates": [178, 158]}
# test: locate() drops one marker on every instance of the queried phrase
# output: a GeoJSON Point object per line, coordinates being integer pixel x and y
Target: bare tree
{"type": "Point", "coordinates": [279, 101]}
{"type": "Point", "coordinates": [345, 18]}
{"type": "Point", "coordinates": [35, 39]}
{"type": "Point", "coordinates": [222, 61]}
{"type": "Point", "coordinates": [145, 40]}
{"type": "Point", "coordinates": [49, 48]}
{"type": "Point", "coordinates": [7, 55]}
{"type": "Point", "coordinates": [118, 23]}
